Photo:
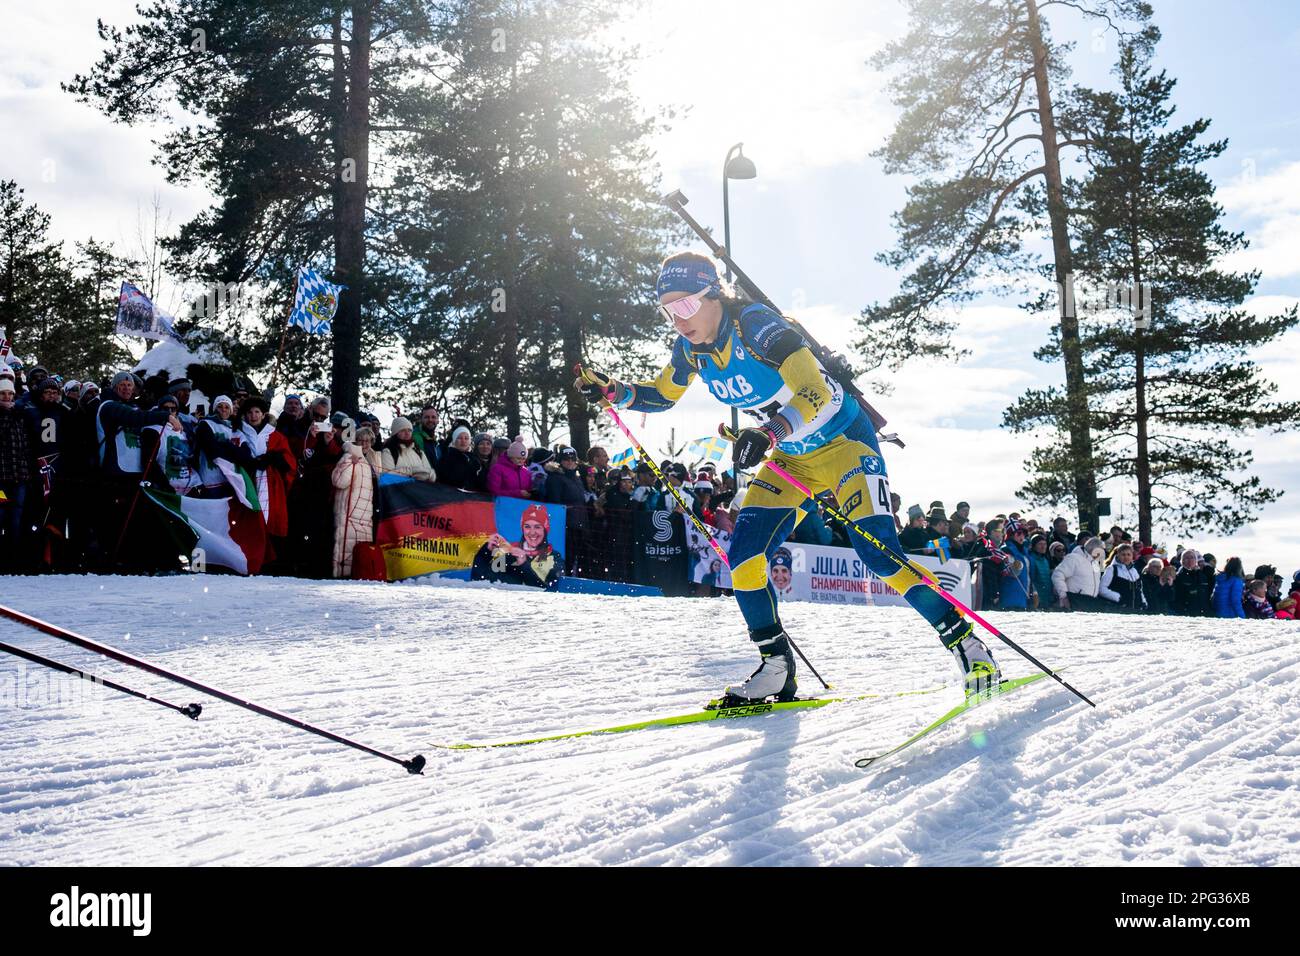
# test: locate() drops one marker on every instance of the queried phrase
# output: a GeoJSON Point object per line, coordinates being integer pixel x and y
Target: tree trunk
{"type": "Point", "coordinates": [514, 289]}
{"type": "Point", "coordinates": [1143, 468]}
{"type": "Point", "coordinates": [350, 215]}
{"type": "Point", "coordinates": [1085, 481]}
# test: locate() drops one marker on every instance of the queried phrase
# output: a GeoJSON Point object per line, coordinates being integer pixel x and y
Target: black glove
{"type": "Point", "coordinates": [597, 386]}
{"type": "Point", "coordinates": [751, 447]}
{"type": "Point", "coordinates": [275, 458]}
{"type": "Point", "coordinates": [260, 461]}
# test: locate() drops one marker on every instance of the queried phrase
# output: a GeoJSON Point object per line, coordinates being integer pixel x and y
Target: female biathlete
{"type": "Point", "coordinates": [752, 358]}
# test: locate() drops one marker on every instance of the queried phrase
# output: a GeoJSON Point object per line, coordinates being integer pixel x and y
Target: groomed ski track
{"type": "Point", "coordinates": [1192, 756]}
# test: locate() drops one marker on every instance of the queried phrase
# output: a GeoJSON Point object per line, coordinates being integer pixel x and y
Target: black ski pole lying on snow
{"type": "Point", "coordinates": [413, 765]}
{"type": "Point", "coordinates": [191, 711]}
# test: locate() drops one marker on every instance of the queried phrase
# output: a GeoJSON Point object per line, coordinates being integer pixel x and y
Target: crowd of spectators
{"type": "Point", "coordinates": [73, 456]}
{"type": "Point", "coordinates": [1022, 565]}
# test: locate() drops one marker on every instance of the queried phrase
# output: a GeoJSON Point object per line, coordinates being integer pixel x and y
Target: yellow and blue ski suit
{"type": "Point", "coordinates": [760, 363]}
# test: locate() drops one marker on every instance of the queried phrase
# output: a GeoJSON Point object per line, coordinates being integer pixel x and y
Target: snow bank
{"type": "Point", "coordinates": [176, 358]}
{"type": "Point", "coordinates": [1190, 758]}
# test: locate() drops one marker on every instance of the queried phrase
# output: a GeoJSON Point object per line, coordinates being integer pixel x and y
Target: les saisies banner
{"type": "Point", "coordinates": [429, 528]}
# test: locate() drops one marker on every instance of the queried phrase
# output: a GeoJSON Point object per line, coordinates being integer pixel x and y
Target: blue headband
{"type": "Point", "coordinates": [690, 276]}
{"type": "Point", "coordinates": [782, 559]}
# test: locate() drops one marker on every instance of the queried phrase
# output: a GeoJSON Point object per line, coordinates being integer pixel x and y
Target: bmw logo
{"type": "Point", "coordinates": [871, 464]}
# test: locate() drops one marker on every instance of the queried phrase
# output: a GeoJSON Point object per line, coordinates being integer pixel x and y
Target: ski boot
{"type": "Point", "coordinates": [774, 677]}
{"type": "Point", "coordinates": [980, 672]}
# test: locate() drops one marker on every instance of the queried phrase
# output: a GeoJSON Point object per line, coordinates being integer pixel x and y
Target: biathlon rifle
{"type": "Point", "coordinates": [833, 362]}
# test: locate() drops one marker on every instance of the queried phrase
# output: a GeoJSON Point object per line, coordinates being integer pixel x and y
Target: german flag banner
{"type": "Point", "coordinates": [429, 528]}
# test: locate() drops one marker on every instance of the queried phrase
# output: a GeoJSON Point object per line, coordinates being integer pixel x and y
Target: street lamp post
{"type": "Point", "coordinates": [733, 167]}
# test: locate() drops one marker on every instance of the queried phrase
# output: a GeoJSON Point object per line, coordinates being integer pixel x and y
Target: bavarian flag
{"type": "Point", "coordinates": [220, 532]}
{"type": "Point", "coordinates": [707, 448]}
{"type": "Point", "coordinates": [315, 302]}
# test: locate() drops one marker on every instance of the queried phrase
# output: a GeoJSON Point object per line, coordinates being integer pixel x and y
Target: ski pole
{"type": "Point", "coordinates": [700, 526]}
{"type": "Point", "coordinates": [919, 570]}
{"type": "Point", "coordinates": [414, 765]}
{"type": "Point", "coordinates": [191, 711]}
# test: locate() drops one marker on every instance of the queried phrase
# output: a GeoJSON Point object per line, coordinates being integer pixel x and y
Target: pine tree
{"type": "Point", "coordinates": [1163, 398]}
{"type": "Point", "coordinates": [296, 101]}
{"type": "Point", "coordinates": [61, 310]}
{"type": "Point", "coordinates": [975, 79]}
{"type": "Point", "coordinates": [532, 213]}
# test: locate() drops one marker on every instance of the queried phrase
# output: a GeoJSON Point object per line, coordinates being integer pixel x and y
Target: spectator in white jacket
{"type": "Point", "coordinates": [1121, 583]}
{"type": "Point", "coordinates": [404, 456]}
{"type": "Point", "coordinates": [1077, 578]}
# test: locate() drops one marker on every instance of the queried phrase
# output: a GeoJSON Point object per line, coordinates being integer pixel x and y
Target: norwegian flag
{"type": "Point", "coordinates": [5, 348]}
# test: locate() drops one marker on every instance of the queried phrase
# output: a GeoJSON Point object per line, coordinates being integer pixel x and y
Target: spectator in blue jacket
{"type": "Point", "coordinates": [1014, 594]}
{"type": "Point", "coordinates": [1229, 586]}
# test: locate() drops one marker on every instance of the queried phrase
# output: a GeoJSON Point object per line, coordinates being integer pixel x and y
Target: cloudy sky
{"type": "Point", "coordinates": [792, 84]}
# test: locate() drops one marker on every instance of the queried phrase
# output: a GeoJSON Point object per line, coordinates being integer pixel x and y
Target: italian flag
{"type": "Point", "coordinates": [229, 534]}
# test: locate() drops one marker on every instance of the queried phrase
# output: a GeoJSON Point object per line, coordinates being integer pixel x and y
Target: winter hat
{"type": "Point", "coordinates": [456, 432]}
{"type": "Point", "coordinates": [678, 471]}
{"type": "Point", "coordinates": [7, 385]}
{"type": "Point", "coordinates": [254, 401]}
{"type": "Point", "coordinates": [223, 400]}
{"type": "Point", "coordinates": [121, 377]}
{"type": "Point", "coordinates": [688, 274]}
{"type": "Point", "coordinates": [399, 423]}
{"type": "Point", "coordinates": [323, 400]}
{"type": "Point", "coordinates": [541, 456]}
{"type": "Point", "coordinates": [1014, 527]}
{"type": "Point", "coordinates": [503, 444]}
{"type": "Point", "coordinates": [514, 449]}
{"type": "Point", "coordinates": [481, 436]}
{"type": "Point", "coordinates": [536, 513]}
{"type": "Point", "coordinates": [289, 398]}
{"type": "Point", "coordinates": [567, 453]}
{"type": "Point", "coordinates": [703, 484]}
{"type": "Point", "coordinates": [179, 384]}
{"type": "Point", "coordinates": [71, 386]}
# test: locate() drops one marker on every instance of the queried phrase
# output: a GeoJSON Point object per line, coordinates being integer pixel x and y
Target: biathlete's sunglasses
{"type": "Point", "coordinates": [684, 307]}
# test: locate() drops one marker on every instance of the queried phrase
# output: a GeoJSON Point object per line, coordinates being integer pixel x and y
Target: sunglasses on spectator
{"type": "Point", "coordinates": [685, 307]}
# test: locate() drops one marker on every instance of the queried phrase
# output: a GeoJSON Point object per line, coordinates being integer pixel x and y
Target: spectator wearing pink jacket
{"type": "Point", "coordinates": [509, 477]}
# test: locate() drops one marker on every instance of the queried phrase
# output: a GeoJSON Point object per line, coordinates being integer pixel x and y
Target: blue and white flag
{"type": "Point", "coordinates": [707, 448]}
{"type": "Point", "coordinates": [136, 315]}
{"type": "Point", "coordinates": [316, 302]}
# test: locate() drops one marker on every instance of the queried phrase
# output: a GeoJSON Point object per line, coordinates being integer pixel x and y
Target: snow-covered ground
{"type": "Point", "coordinates": [1191, 756]}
